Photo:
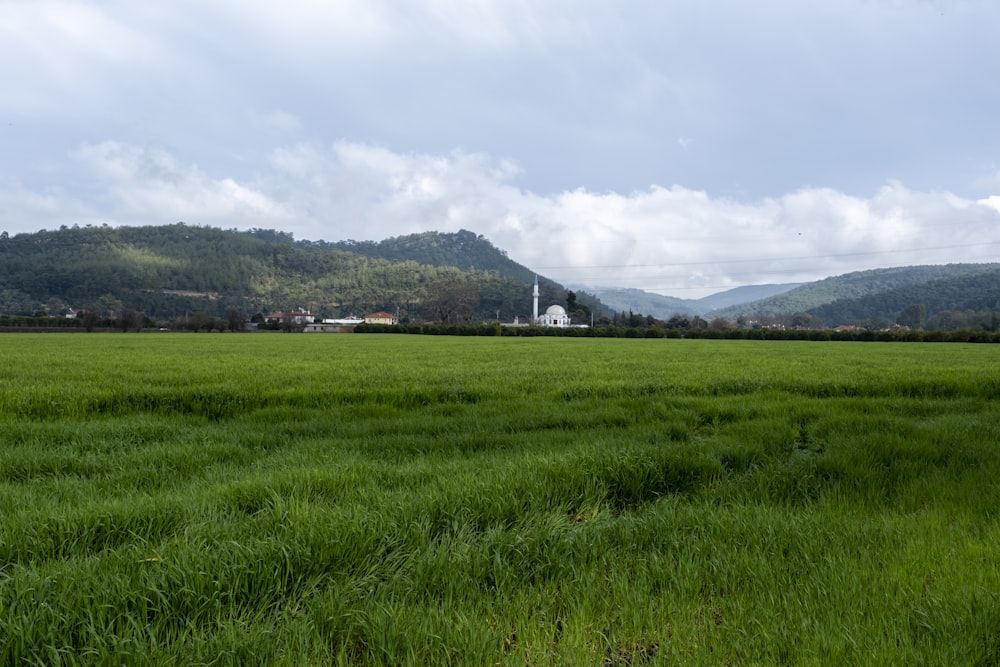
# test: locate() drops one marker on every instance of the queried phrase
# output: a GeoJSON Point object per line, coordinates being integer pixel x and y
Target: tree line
{"type": "Point", "coordinates": [857, 335]}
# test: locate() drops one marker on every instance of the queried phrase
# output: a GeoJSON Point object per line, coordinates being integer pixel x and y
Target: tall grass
{"type": "Point", "coordinates": [188, 499]}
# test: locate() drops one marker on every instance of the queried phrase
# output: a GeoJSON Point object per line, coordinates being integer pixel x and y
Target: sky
{"type": "Point", "coordinates": [683, 147]}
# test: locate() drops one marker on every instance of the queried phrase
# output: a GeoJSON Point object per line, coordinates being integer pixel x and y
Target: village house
{"type": "Point", "coordinates": [380, 318]}
{"type": "Point", "coordinates": [333, 326]}
{"type": "Point", "coordinates": [297, 316]}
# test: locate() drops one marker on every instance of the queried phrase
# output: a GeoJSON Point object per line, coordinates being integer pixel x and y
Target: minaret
{"type": "Point", "coordinates": [534, 303]}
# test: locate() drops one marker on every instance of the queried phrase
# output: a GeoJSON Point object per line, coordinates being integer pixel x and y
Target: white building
{"type": "Point", "coordinates": [381, 317]}
{"type": "Point", "coordinates": [555, 316]}
{"type": "Point", "coordinates": [298, 316]}
{"type": "Point", "coordinates": [333, 326]}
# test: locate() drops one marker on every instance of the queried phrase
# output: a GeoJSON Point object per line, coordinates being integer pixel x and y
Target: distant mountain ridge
{"type": "Point", "coordinates": [872, 297]}
{"type": "Point", "coordinates": [742, 295]}
{"type": "Point", "coordinates": [664, 307]}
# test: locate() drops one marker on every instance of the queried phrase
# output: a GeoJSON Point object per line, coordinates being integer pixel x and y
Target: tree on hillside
{"type": "Point", "coordinates": [912, 316]}
{"type": "Point", "coordinates": [234, 320]}
{"type": "Point", "coordinates": [570, 301]}
{"type": "Point", "coordinates": [130, 319]}
{"type": "Point", "coordinates": [290, 322]}
{"type": "Point", "coordinates": [198, 321]}
{"type": "Point", "coordinates": [109, 306]}
{"type": "Point", "coordinates": [449, 297]}
{"type": "Point", "coordinates": [579, 313]}
{"type": "Point", "coordinates": [90, 319]}
{"type": "Point", "coordinates": [805, 321]}
{"type": "Point", "coordinates": [15, 302]}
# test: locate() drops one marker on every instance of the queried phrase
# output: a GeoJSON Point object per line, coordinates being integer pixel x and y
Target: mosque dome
{"type": "Point", "coordinates": [555, 310]}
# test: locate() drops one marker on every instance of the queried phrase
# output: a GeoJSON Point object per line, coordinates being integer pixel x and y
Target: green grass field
{"type": "Point", "coordinates": [294, 499]}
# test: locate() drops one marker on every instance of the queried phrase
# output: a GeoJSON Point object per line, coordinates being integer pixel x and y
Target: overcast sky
{"type": "Point", "coordinates": [678, 146]}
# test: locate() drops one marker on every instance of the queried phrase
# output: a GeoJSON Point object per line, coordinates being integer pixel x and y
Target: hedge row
{"type": "Point", "coordinates": [31, 322]}
{"type": "Point", "coordinates": [963, 336]}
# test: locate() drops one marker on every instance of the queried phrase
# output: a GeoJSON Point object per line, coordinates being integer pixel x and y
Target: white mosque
{"type": "Point", "coordinates": [555, 315]}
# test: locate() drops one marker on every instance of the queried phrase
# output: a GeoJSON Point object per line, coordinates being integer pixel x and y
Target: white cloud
{"type": "Point", "coordinates": [673, 240]}
{"type": "Point", "coordinates": [582, 93]}
{"type": "Point", "coordinates": [45, 210]}
{"type": "Point", "coordinates": [303, 28]}
{"type": "Point", "coordinates": [55, 54]}
{"type": "Point", "coordinates": [147, 185]}
{"type": "Point", "coordinates": [992, 202]}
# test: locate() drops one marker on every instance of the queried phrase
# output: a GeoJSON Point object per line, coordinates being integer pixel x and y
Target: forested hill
{"type": "Point", "coordinates": [811, 297]}
{"type": "Point", "coordinates": [463, 249]}
{"type": "Point", "coordinates": [953, 303]}
{"type": "Point", "coordinates": [168, 271]}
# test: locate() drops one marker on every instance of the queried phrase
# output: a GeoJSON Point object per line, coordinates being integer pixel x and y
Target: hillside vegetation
{"type": "Point", "coordinates": [171, 270]}
{"type": "Point", "coordinates": [463, 250]}
{"type": "Point", "coordinates": [945, 303]}
{"type": "Point", "coordinates": [863, 297]}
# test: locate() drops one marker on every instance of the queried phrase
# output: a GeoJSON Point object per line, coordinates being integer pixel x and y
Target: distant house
{"type": "Point", "coordinates": [333, 326]}
{"type": "Point", "coordinates": [380, 318]}
{"type": "Point", "coordinates": [298, 316]}
{"type": "Point", "coordinates": [323, 327]}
